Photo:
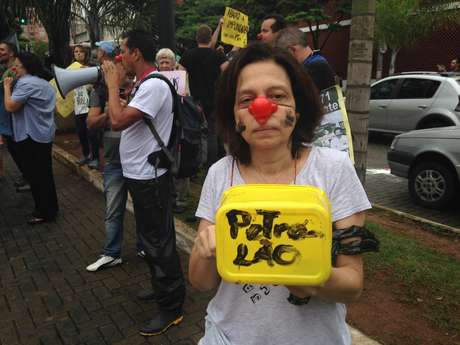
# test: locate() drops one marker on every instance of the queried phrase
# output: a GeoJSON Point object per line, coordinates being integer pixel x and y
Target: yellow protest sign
{"type": "Point", "coordinates": [64, 106]}
{"type": "Point", "coordinates": [235, 28]}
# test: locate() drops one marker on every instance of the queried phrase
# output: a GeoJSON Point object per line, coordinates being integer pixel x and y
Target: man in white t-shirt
{"type": "Point", "coordinates": [149, 187]}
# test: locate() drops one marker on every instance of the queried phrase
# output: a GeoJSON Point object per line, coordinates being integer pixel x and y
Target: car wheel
{"type": "Point", "coordinates": [432, 185]}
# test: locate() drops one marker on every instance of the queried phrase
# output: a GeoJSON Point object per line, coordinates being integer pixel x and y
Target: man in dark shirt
{"type": "Point", "coordinates": [270, 27]}
{"type": "Point", "coordinates": [296, 42]}
{"type": "Point", "coordinates": [204, 65]}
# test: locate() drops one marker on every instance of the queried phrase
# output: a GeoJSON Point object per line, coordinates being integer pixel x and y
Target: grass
{"type": "Point", "coordinates": [424, 276]}
{"type": "Point", "coordinates": [421, 276]}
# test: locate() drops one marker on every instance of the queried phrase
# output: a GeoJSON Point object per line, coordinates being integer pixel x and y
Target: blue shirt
{"type": "Point", "coordinates": [315, 57]}
{"type": "Point", "coordinates": [36, 118]}
{"type": "Point", "coordinates": [5, 116]}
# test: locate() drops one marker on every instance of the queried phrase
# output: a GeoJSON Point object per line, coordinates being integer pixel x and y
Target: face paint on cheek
{"type": "Point", "coordinates": [289, 121]}
{"type": "Point", "coordinates": [240, 127]}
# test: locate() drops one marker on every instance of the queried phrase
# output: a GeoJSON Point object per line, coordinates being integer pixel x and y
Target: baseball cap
{"type": "Point", "coordinates": [107, 46]}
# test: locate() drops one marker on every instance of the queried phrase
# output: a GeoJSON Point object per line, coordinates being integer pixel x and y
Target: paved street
{"type": "Point", "coordinates": [46, 295]}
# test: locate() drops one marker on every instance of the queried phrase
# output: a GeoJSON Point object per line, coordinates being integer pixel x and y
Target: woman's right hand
{"type": "Point", "coordinates": [205, 242]}
{"type": "Point", "coordinates": [7, 82]}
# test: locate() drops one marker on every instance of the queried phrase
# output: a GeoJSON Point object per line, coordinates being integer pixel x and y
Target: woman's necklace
{"type": "Point", "coordinates": [280, 176]}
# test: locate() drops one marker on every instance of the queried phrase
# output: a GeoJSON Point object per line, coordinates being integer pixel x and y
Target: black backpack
{"type": "Point", "coordinates": [186, 150]}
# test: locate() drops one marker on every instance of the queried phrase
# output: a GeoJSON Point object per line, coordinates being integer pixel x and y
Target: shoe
{"type": "Point", "coordinates": [20, 182]}
{"type": "Point", "coordinates": [36, 220]}
{"type": "Point", "coordinates": [93, 164]}
{"type": "Point", "coordinates": [146, 295]}
{"type": "Point", "coordinates": [161, 323]}
{"type": "Point", "coordinates": [103, 262]}
{"type": "Point", "coordinates": [83, 161]}
{"type": "Point", "coordinates": [141, 254]}
{"type": "Point", "coordinates": [23, 188]}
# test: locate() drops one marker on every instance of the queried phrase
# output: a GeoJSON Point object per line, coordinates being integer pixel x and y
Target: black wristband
{"type": "Point", "coordinates": [298, 300]}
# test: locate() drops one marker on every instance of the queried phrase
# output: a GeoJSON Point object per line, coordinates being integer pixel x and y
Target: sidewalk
{"type": "Point", "coordinates": [47, 297]}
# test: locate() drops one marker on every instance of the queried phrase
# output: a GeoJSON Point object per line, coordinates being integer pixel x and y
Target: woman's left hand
{"type": "Point", "coordinates": [7, 82]}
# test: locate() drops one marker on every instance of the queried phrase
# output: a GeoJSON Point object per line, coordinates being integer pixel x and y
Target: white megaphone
{"type": "Point", "coordinates": [69, 79]}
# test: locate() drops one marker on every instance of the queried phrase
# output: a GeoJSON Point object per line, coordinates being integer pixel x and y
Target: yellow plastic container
{"type": "Point", "coordinates": [274, 234]}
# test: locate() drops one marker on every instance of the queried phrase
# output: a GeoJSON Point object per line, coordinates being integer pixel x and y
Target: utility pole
{"type": "Point", "coordinates": [166, 24]}
{"type": "Point", "coordinates": [359, 78]}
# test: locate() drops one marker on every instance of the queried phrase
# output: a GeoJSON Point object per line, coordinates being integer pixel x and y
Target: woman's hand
{"type": "Point", "coordinates": [205, 242]}
{"type": "Point", "coordinates": [7, 82]}
{"type": "Point", "coordinates": [111, 76]}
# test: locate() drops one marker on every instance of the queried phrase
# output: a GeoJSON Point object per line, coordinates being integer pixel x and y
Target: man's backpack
{"type": "Point", "coordinates": [185, 152]}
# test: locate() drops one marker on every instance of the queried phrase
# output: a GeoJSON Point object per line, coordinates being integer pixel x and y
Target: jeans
{"type": "Point", "coordinates": [155, 227]}
{"type": "Point", "coordinates": [88, 137]}
{"type": "Point", "coordinates": [116, 194]}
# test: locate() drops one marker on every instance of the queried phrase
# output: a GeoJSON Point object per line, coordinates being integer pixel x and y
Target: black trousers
{"type": "Point", "coordinates": [155, 228]}
{"type": "Point", "coordinates": [89, 138]}
{"type": "Point", "coordinates": [12, 147]}
{"type": "Point", "coordinates": [38, 170]}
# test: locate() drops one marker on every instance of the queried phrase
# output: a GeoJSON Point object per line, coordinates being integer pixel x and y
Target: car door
{"type": "Point", "coordinates": [413, 99]}
{"type": "Point", "coordinates": [381, 93]}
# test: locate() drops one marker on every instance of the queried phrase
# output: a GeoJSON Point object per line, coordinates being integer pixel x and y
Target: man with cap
{"type": "Point", "coordinates": [271, 24]}
{"type": "Point", "coordinates": [295, 41]}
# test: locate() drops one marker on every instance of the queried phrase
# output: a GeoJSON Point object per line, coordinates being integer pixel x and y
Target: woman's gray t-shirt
{"type": "Point", "coordinates": [252, 314]}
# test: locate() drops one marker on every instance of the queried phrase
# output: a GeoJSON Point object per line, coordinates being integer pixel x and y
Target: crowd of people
{"type": "Point", "coordinates": [281, 70]}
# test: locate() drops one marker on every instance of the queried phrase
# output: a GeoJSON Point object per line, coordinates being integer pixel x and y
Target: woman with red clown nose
{"type": "Point", "coordinates": [267, 111]}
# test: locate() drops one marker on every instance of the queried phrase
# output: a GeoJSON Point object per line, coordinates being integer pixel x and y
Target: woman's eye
{"type": "Point", "coordinates": [277, 97]}
{"type": "Point", "coordinates": [245, 101]}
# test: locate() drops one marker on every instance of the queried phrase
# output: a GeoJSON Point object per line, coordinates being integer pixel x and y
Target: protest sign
{"type": "Point", "coordinates": [179, 80]}
{"type": "Point", "coordinates": [235, 28]}
{"type": "Point", "coordinates": [334, 130]}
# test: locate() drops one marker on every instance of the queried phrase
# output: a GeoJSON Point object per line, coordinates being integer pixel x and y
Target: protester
{"type": "Point", "coordinates": [454, 66]}
{"type": "Point", "coordinates": [296, 42]}
{"type": "Point", "coordinates": [88, 138]}
{"type": "Point", "coordinates": [204, 65]}
{"type": "Point", "coordinates": [32, 103]}
{"type": "Point", "coordinates": [269, 28]}
{"type": "Point", "coordinates": [8, 52]}
{"type": "Point", "coordinates": [115, 189]}
{"type": "Point", "coordinates": [277, 152]}
{"type": "Point", "coordinates": [166, 61]}
{"type": "Point", "coordinates": [149, 186]}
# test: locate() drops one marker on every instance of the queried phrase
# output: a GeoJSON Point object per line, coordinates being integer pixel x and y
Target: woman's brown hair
{"type": "Point", "coordinates": [305, 93]}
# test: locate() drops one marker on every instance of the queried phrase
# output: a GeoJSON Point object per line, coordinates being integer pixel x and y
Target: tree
{"type": "Point", "coordinates": [359, 76]}
{"type": "Point", "coordinates": [401, 23]}
{"type": "Point", "coordinates": [95, 14]}
{"type": "Point", "coordinates": [313, 12]}
{"type": "Point", "coordinates": [10, 12]}
{"type": "Point", "coordinates": [55, 17]}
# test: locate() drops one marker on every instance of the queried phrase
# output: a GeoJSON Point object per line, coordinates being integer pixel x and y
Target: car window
{"type": "Point", "coordinates": [383, 90]}
{"type": "Point", "coordinates": [417, 88]}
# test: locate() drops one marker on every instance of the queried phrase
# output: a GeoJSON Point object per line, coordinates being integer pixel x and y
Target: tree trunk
{"type": "Point", "coordinates": [94, 28]}
{"type": "Point", "coordinates": [55, 17]}
{"type": "Point", "coordinates": [358, 78]}
{"type": "Point", "coordinates": [394, 54]}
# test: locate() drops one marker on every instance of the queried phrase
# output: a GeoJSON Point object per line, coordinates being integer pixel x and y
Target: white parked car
{"type": "Point", "coordinates": [414, 100]}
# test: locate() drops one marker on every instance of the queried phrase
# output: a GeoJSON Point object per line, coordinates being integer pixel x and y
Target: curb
{"type": "Point", "coordinates": [185, 235]}
{"type": "Point", "coordinates": [444, 228]}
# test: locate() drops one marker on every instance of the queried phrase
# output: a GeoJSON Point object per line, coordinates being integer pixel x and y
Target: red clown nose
{"type": "Point", "coordinates": [262, 108]}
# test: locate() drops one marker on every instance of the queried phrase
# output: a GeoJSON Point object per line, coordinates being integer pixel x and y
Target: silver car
{"type": "Point", "coordinates": [430, 160]}
{"type": "Point", "coordinates": [414, 100]}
